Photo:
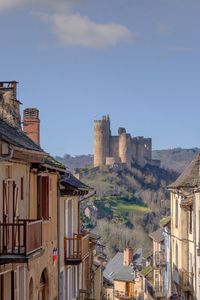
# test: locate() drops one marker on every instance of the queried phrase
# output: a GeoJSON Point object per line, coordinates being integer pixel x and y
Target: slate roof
{"type": "Point", "coordinates": [94, 236]}
{"type": "Point", "coordinates": [190, 178]}
{"type": "Point", "coordinates": [17, 137]}
{"type": "Point", "coordinates": [49, 160]}
{"type": "Point", "coordinates": [157, 235]}
{"type": "Point", "coordinates": [71, 180]}
{"type": "Point", "coordinates": [116, 270]}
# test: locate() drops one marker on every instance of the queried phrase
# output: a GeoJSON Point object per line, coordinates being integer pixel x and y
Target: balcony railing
{"type": "Point", "coordinates": [76, 248]}
{"type": "Point", "coordinates": [160, 258]}
{"type": "Point", "coordinates": [155, 291]}
{"type": "Point", "coordinates": [122, 295]}
{"type": "Point", "coordinates": [185, 280]}
{"type": "Point", "coordinates": [159, 291]}
{"type": "Point", "coordinates": [21, 238]}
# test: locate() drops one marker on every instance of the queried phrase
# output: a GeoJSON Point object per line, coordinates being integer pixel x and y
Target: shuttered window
{"type": "Point", "coordinates": [22, 188]}
{"type": "Point", "coordinates": [176, 213]}
{"type": "Point", "coordinates": [43, 197]}
{"type": "Point", "coordinates": [190, 217]}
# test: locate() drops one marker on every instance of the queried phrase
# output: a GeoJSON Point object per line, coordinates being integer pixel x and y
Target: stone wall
{"type": "Point", "coordinates": [9, 105]}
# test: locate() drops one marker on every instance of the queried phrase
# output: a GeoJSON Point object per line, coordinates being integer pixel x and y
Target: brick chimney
{"type": "Point", "coordinates": [128, 256]}
{"type": "Point", "coordinates": [32, 124]}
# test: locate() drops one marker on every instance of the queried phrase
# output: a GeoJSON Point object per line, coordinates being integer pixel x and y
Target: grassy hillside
{"type": "Point", "coordinates": [133, 199]}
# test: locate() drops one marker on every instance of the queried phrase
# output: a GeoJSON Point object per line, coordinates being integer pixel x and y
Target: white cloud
{"type": "Point", "coordinates": [6, 4]}
{"type": "Point", "coordinates": [56, 4]}
{"type": "Point", "coordinates": [76, 30]}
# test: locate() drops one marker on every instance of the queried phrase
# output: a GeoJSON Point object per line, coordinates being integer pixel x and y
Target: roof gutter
{"type": "Point", "coordinates": [88, 196]}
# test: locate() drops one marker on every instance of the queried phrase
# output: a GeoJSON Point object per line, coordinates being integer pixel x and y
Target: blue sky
{"type": "Point", "coordinates": [76, 60]}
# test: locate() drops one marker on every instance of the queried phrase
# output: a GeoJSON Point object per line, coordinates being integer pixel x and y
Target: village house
{"type": "Point", "coordinates": [81, 268]}
{"type": "Point", "coordinates": [155, 283]}
{"type": "Point", "coordinates": [185, 233]}
{"type": "Point", "coordinates": [28, 222]}
{"type": "Point", "coordinates": [122, 279]}
{"type": "Point", "coordinates": [40, 248]}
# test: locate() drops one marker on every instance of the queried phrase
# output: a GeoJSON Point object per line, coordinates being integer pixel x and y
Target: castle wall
{"type": "Point", "coordinates": [133, 150]}
{"type": "Point", "coordinates": [143, 150]}
{"type": "Point", "coordinates": [114, 148]}
{"type": "Point", "coordinates": [122, 148]}
{"type": "Point", "coordinates": [125, 148]}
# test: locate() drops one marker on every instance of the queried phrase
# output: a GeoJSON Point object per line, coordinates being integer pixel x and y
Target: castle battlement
{"type": "Point", "coordinates": [121, 148]}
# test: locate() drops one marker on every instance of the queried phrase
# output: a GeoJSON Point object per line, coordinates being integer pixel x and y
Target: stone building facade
{"type": "Point", "coordinates": [123, 148]}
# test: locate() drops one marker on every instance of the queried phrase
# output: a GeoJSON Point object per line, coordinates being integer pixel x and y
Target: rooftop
{"type": "Point", "coordinates": [157, 236]}
{"type": "Point", "coordinates": [116, 270]}
{"type": "Point", "coordinates": [17, 137]}
{"type": "Point", "coordinates": [190, 178]}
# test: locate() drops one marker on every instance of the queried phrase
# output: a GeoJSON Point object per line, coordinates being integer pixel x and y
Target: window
{"type": "Point", "coordinates": [176, 213]}
{"type": "Point", "coordinates": [43, 197]}
{"type": "Point", "coordinates": [190, 219]}
{"type": "Point", "coordinates": [8, 172]}
{"type": "Point", "coordinates": [176, 255]}
{"type": "Point", "coordinates": [22, 188]}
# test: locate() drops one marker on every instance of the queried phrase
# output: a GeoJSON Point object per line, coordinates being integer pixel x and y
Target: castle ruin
{"type": "Point", "coordinates": [120, 149]}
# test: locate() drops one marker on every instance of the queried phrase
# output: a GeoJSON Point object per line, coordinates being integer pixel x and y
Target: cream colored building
{"type": "Point", "coordinates": [80, 266]}
{"type": "Point", "coordinates": [121, 277]}
{"type": "Point", "coordinates": [185, 232]}
{"type": "Point", "coordinates": [28, 205]}
{"type": "Point", "coordinates": [44, 254]}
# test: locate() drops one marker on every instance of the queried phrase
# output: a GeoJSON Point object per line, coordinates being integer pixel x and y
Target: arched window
{"type": "Point", "coordinates": [44, 286]}
{"type": "Point", "coordinates": [31, 289]}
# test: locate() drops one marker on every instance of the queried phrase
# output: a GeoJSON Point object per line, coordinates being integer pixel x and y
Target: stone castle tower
{"type": "Point", "coordinates": [101, 141]}
{"type": "Point", "coordinates": [122, 148]}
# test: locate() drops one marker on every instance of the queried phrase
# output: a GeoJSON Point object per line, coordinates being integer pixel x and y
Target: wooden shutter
{"type": "Point", "coordinates": [45, 197]}
{"type": "Point", "coordinates": [39, 197]}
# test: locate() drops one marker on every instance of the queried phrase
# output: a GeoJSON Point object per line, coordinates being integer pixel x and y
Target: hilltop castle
{"type": "Point", "coordinates": [122, 148]}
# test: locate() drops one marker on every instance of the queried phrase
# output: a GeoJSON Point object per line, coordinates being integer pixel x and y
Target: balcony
{"type": "Point", "coordinates": [159, 292]}
{"type": "Point", "coordinates": [20, 240]}
{"type": "Point", "coordinates": [160, 259]}
{"type": "Point", "coordinates": [76, 249]}
{"type": "Point", "coordinates": [122, 295]}
{"type": "Point", "coordinates": [185, 280]}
